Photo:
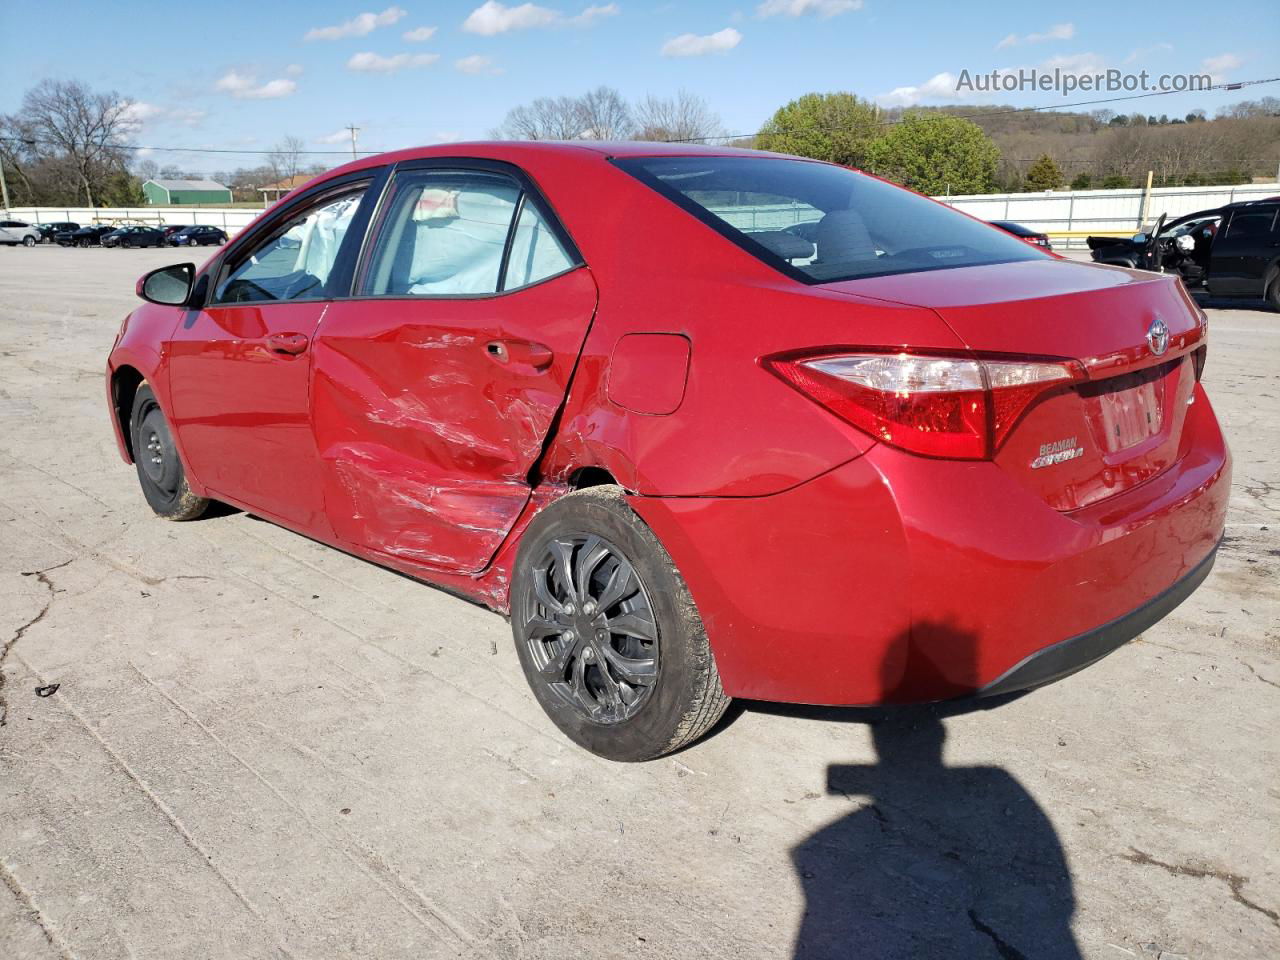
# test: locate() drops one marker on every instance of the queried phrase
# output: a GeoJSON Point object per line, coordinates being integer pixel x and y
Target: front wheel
{"type": "Point", "coordinates": [160, 473]}
{"type": "Point", "coordinates": [1273, 292]}
{"type": "Point", "coordinates": [607, 633]}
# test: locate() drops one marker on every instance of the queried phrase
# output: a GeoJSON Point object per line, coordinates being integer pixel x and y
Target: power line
{"type": "Point", "coordinates": [1237, 85]}
{"type": "Point", "coordinates": [31, 141]}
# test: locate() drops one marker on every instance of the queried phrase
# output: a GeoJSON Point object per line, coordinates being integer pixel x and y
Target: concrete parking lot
{"type": "Point", "coordinates": [261, 747]}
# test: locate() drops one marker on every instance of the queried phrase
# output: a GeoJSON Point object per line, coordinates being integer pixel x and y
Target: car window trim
{"type": "Point", "coordinates": [529, 190]}
{"type": "Point", "coordinates": [374, 177]}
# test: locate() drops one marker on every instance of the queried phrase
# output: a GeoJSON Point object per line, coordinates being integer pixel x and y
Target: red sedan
{"type": "Point", "coordinates": [707, 423]}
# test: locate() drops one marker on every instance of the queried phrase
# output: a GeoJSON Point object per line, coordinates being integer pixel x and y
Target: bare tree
{"type": "Point", "coordinates": [89, 129]}
{"type": "Point", "coordinates": [547, 118]}
{"type": "Point", "coordinates": [605, 115]}
{"type": "Point", "coordinates": [285, 158]}
{"type": "Point", "coordinates": [686, 116]}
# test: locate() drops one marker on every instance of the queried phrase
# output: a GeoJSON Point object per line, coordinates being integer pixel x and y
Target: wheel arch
{"type": "Point", "coordinates": [125, 381]}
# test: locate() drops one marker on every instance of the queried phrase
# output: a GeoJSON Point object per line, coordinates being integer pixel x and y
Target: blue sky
{"type": "Point", "coordinates": [241, 75]}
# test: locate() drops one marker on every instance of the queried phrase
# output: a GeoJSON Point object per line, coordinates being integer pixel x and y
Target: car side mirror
{"type": "Point", "coordinates": [1140, 238]}
{"type": "Point", "coordinates": [168, 286]}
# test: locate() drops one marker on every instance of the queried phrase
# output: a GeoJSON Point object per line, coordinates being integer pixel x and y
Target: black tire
{"type": "Point", "coordinates": [1273, 292]}
{"type": "Point", "coordinates": [29, 241]}
{"type": "Point", "coordinates": [160, 472]}
{"type": "Point", "coordinates": [636, 698]}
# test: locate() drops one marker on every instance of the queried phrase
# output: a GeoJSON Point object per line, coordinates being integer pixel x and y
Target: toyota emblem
{"type": "Point", "coordinates": [1158, 337]}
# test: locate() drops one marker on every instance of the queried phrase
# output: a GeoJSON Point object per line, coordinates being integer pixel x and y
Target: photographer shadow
{"type": "Point", "coordinates": [937, 860]}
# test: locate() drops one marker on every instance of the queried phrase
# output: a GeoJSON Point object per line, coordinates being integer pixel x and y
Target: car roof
{"type": "Point", "coordinates": [516, 151]}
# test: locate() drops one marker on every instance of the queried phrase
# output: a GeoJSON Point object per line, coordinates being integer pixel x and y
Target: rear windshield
{"type": "Point", "coordinates": [821, 223]}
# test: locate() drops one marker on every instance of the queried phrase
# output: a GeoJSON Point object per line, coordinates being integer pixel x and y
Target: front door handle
{"type": "Point", "coordinates": [292, 343]}
{"type": "Point", "coordinates": [520, 353]}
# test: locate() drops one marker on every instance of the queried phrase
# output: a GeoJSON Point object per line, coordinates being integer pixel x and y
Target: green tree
{"type": "Point", "coordinates": [1044, 174]}
{"type": "Point", "coordinates": [1115, 181]}
{"type": "Point", "coordinates": [1082, 181]}
{"type": "Point", "coordinates": [935, 153]}
{"type": "Point", "coordinates": [825, 126]}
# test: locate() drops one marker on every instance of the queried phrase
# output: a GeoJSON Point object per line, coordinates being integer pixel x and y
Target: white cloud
{"type": "Point", "coordinates": [357, 26]}
{"type": "Point", "coordinates": [338, 136]}
{"type": "Point", "coordinates": [1075, 64]}
{"type": "Point", "coordinates": [491, 18]}
{"type": "Point", "coordinates": [420, 35]}
{"type": "Point", "coordinates": [1059, 31]}
{"type": "Point", "coordinates": [1142, 53]}
{"type": "Point", "coordinates": [245, 86]}
{"type": "Point", "coordinates": [446, 136]}
{"type": "Point", "coordinates": [137, 112]}
{"type": "Point", "coordinates": [477, 64]}
{"type": "Point", "coordinates": [798, 8]}
{"type": "Point", "coordinates": [294, 69]}
{"type": "Point", "coordinates": [375, 63]}
{"type": "Point", "coordinates": [187, 118]}
{"type": "Point", "coordinates": [941, 86]}
{"type": "Point", "coordinates": [591, 14]}
{"type": "Point", "coordinates": [692, 45]}
{"type": "Point", "coordinates": [1217, 67]}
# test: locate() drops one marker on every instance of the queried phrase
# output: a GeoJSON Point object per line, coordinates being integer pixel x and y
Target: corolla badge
{"type": "Point", "coordinates": [1158, 337]}
{"type": "Point", "coordinates": [1057, 452]}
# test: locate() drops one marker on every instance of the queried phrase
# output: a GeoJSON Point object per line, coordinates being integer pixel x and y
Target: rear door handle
{"type": "Point", "coordinates": [520, 353]}
{"type": "Point", "coordinates": [292, 343]}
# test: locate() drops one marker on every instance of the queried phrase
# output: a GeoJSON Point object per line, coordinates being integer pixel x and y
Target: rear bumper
{"type": "Point", "coordinates": [897, 579]}
{"type": "Point", "coordinates": [1069, 656]}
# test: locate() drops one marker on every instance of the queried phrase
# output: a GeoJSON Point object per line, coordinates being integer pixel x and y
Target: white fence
{"type": "Point", "coordinates": [232, 219]}
{"type": "Point", "coordinates": [1103, 210]}
{"type": "Point", "coordinates": [1051, 212]}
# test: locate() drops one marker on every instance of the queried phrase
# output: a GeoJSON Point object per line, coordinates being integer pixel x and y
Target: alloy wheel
{"type": "Point", "coordinates": [590, 628]}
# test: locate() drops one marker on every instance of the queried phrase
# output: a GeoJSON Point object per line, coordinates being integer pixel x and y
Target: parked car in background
{"type": "Point", "coordinates": [171, 228]}
{"type": "Point", "coordinates": [90, 236]}
{"type": "Point", "coordinates": [198, 237]}
{"type": "Point", "coordinates": [50, 231]}
{"type": "Point", "coordinates": [1023, 233]}
{"type": "Point", "coordinates": [1231, 251]}
{"type": "Point", "coordinates": [15, 232]}
{"type": "Point", "coordinates": [134, 236]}
{"type": "Point", "coordinates": [907, 459]}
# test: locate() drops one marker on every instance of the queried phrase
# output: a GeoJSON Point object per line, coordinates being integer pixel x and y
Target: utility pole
{"type": "Point", "coordinates": [4, 187]}
{"type": "Point", "coordinates": [354, 131]}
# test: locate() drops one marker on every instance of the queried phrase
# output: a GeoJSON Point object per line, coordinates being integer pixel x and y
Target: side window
{"type": "Point", "coordinates": [294, 262]}
{"type": "Point", "coordinates": [443, 234]}
{"type": "Point", "coordinates": [1251, 223]}
{"type": "Point", "coordinates": [535, 252]}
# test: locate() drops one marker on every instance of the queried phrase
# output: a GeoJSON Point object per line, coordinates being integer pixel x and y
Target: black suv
{"type": "Point", "coordinates": [50, 230]}
{"type": "Point", "coordinates": [1234, 251]}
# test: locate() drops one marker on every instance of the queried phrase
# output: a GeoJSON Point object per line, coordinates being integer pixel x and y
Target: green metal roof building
{"type": "Point", "coordinates": [167, 193]}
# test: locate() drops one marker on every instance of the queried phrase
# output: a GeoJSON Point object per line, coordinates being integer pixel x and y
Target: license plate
{"type": "Point", "coordinates": [1131, 414]}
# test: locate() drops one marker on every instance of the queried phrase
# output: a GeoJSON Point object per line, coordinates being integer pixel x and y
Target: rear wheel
{"type": "Point", "coordinates": [160, 473]}
{"type": "Point", "coordinates": [607, 633]}
{"type": "Point", "coordinates": [28, 241]}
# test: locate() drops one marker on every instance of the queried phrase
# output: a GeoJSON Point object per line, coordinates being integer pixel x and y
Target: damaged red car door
{"type": "Point", "coordinates": [240, 367]}
{"type": "Point", "coordinates": [435, 386]}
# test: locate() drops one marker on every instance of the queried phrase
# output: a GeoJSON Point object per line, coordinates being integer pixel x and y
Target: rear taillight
{"type": "Point", "coordinates": [940, 406]}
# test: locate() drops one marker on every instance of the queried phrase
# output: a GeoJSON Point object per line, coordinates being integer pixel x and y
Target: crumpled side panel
{"type": "Point", "coordinates": [430, 414]}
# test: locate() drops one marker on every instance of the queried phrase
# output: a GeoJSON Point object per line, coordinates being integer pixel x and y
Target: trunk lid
{"type": "Point", "coordinates": [1122, 422]}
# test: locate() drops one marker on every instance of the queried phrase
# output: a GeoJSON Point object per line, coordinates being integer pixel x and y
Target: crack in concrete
{"type": "Point", "coordinates": [20, 893]}
{"type": "Point", "coordinates": [42, 576]}
{"type": "Point", "coordinates": [1006, 950]}
{"type": "Point", "coordinates": [1234, 881]}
